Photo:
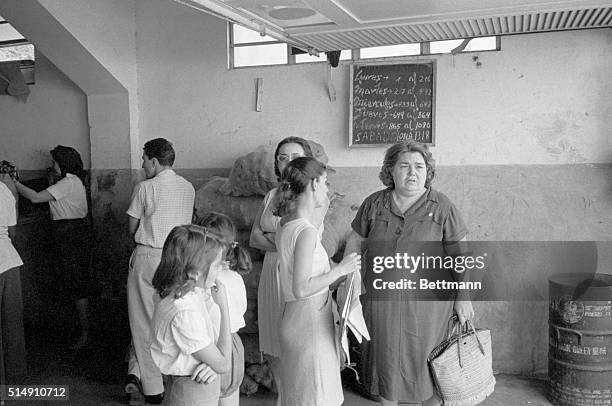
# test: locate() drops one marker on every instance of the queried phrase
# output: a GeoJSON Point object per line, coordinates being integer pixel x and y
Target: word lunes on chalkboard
{"type": "Point", "coordinates": [392, 103]}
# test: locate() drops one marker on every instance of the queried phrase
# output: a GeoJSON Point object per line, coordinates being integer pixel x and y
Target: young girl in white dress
{"type": "Point", "coordinates": [236, 262]}
{"type": "Point", "coordinates": [309, 359]}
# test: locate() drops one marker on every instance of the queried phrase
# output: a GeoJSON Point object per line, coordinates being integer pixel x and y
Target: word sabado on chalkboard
{"type": "Point", "coordinates": [384, 138]}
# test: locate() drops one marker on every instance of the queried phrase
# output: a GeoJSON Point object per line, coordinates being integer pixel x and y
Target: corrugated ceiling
{"type": "Point", "coordinates": [464, 28]}
{"type": "Point", "coordinates": [327, 25]}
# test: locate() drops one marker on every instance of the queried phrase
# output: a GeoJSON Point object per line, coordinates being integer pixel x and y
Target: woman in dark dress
{"type": "Point", "coordinates": [404, 330]}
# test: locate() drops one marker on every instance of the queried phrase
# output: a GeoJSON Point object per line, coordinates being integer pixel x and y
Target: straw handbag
{"type": "Point", "coordinates": [461, 365]}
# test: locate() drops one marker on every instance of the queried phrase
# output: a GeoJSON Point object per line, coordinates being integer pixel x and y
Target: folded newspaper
{"type": "Point", "coordinates": [349, 314]}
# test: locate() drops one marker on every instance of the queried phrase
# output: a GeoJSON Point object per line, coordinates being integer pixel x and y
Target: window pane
{"type": "Point", "coordinates": [17, 53]}
{"type": "Point", "coordinates": [244, 35]}
{"type": "Point", "coordinates": [273, 54]}
{"type": "Point", "coordinates": [8, 33]}
{"type": "Point", "coordinates": [481, 44]}
{"type": "Point", "coordinates": [301, 58]}
{"type": "Point", "coordinates": [476, 44]}
{"type": "Point", "coordinates": [392, 50]}
{"type": "Point", "coordinates": [346, 55]}
{"type": "Point", "coordinates": [444, 47]}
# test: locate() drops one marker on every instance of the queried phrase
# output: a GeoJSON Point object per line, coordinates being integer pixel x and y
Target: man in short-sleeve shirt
{"type": "Point", "coordinates": [160, 203]}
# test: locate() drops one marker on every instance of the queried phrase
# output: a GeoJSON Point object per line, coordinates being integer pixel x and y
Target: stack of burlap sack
{"type": "Point", "coordinates": [240, 197]}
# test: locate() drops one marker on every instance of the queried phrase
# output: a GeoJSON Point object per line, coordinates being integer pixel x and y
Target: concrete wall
{"type": "Point", "coordinates": [517, 137]}
{"type": "Point", "coordinates": [541, 100]}
{"type": "Point", "coordinates": [92, 44]}
{"type": "Point", "coordinates": [107, 30]}
{"type": "Point", "coordinates": [104, 28]}
{"type": "Point", "coordinates": [523, 140]}
{"type": "Point", "coordinates": [55, 113]}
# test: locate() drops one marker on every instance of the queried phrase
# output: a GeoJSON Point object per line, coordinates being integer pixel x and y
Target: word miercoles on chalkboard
{"type": "Point", "coordinates": [392, 103]}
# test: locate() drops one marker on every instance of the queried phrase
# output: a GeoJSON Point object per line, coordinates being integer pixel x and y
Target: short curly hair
{"type": "Point", "coordinates": [392, 155]}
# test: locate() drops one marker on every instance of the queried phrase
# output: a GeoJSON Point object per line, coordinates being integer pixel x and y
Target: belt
{"type": "Point", "coordinates": [68, 221]}
{"type": "Point", "coordinates": [148, 246]}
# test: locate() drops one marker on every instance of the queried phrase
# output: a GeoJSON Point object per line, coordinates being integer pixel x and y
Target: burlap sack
{"type": "Point", "coordinates": [253, 173]}
{"type": "Point", "coordinates": [242, 210]}
{"type": "Point", "coordinates": [338, 224]}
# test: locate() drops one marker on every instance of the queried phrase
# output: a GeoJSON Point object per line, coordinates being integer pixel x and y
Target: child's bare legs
{"type": "Point", "coordinates": [276, 374]}
{"type": "Point", "coordinates": [385, 402]}
{"type": "Point", "coordinates": [433, 401]}
{"type": "Point", "coordinates": [231, 400]}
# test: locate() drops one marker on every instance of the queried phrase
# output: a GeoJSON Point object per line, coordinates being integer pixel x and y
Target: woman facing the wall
{"type": "Point", "coordinates": [71, 230]}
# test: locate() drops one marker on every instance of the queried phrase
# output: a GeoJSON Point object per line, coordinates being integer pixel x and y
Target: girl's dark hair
{"type": "Point", "coordinates": [297, 176]}
{"type": "Point", "coordinates": [188, 252]}
{"type": "Point", "coordinates": [392, 155]}
{"type": "Point", "coordinates": [220, 224]}
{"type": "Point", "coordinates": [69, 161]}
{"type": "Point", "coordinates": [290, 140]}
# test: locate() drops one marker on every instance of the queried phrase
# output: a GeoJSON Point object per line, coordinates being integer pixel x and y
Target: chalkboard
{"type": "Point", "coordinates": [392, 103]}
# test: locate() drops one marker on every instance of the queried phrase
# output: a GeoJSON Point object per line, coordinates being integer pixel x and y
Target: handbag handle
{"type": "Point", "coordinates": [453, 322]}
{"type": "Point", "coordinates": [470, 325]}
{"type": "Point", "coordinates": [460, 335]}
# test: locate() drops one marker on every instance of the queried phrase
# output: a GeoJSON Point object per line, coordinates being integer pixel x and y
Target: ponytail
{"type": "Point", "coordinates": [295, 180]}
{"type": "Point", "coordinates": [239, 259]}
{"type": "Point", "coordinates": [284, 198]}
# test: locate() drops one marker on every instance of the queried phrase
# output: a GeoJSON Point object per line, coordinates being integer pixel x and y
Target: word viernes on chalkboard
{"type": "Point", "coordinates": [392, 102]}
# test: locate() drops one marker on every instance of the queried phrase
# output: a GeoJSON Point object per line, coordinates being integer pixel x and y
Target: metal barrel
{"type": "Point", "coordinates": [580, 340]}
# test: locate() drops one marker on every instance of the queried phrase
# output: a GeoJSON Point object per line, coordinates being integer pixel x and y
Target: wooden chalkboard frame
{"type": "Point", "coordinates": [431, 62]}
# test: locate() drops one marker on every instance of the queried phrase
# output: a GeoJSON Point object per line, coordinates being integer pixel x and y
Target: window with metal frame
{"type": "Point", "coordinates": [249, 48]}
{"type": "Point", "coordinates": [14, 47]}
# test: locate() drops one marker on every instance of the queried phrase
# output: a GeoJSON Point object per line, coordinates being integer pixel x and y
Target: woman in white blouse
{"type": "Point", "coordinates": [12, 350]}
{"type": "Point", "coordinates": [71, 230]}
